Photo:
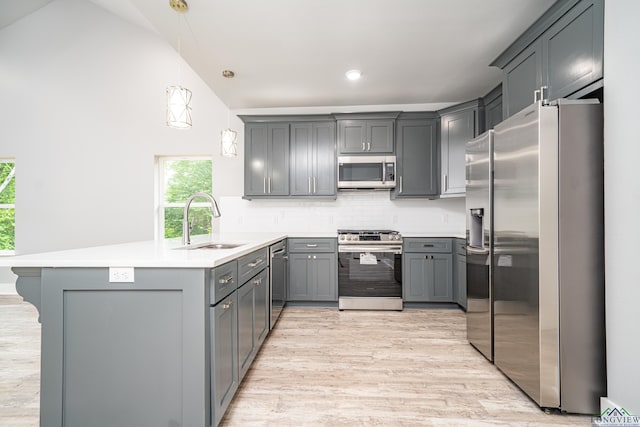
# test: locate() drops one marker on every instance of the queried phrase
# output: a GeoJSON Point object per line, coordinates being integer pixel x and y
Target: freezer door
{"type": "Point", "coordinates": [525, 201]}
{"type": "Point", "coordinates": [478, 204]}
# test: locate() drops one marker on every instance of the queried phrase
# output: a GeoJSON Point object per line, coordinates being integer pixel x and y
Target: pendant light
{"type": "Point", "coordinates": [228, 143]}
{"type": "Point", "coordinates": [178, 97]}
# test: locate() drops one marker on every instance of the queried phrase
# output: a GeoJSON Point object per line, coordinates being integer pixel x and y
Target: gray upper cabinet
{"type": "Point", "coordinates": [417, 158]}
{"type": "Point", "coordinates": [313, 159]}
{"type": "Point", "coordinates": [521, 78]}
{"type": "Point", "coordinates": [458, 124]}
{"type": "Point", "coordinates": [573, 49]}
{"type": "Point", "coordinates": [493, 108]}
{"type": "Point", "coordinates": [266, 169]}
{"type": "Point", "coordinates": [562, 50]}
{"type": "Point", "coordinates": [366, 133]}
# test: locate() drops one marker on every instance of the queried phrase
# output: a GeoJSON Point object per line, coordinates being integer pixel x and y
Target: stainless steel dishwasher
{"type": "Point", "coordinates": [278, 279]}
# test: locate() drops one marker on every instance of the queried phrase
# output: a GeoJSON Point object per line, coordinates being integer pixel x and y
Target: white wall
{"type": "Point", "coordinates": [622, 201]}
{"type": "Point", "coordinates": [83, 112]}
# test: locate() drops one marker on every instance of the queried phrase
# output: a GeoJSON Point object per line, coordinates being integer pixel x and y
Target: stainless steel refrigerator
{"type": "Point", "coordinates": [479, 203]}
{"type": "Point", "coordinates": [535, 252]}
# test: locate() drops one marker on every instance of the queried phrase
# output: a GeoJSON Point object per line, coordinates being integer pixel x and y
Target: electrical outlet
{"type": "Point", "coordinates": [121, 275]}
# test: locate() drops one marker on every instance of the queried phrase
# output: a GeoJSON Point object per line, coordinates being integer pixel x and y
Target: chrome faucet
{"type": "Point", "coordinates": [186, 227]}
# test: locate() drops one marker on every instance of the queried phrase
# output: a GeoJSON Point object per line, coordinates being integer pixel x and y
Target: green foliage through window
{"type": "Point", "coordinates": [182, 178]}
{"type": "Point", "coordinates": [7, 208]}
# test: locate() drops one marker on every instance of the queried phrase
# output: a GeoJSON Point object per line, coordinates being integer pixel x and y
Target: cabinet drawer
{"type": "Point", "coordinates": [251, 264]}
{"type": "Point", "coordinates": [223, 281]}
{"type": "Point", "coordinates": [427, 245]}
{"type": "Point", "coordinates": [313, 245]}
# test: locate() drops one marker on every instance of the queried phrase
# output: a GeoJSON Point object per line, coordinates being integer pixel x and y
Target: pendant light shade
{"type": "Point", "coordinates": [178, 108]}
{"type": "Point", "coordinates": [229, 145]}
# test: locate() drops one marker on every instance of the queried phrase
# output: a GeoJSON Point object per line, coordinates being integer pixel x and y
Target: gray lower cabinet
{"type": "Point", "coordinates": [313, 270]}
{"type": "Point", "coordinates": [427, 273]}
{"type": "Point", "coordinates": [562, 50]}
{"type": "Point", "coordinates": [416, 157]}
{"type": "Point", "coordinates": [266, 168]}
{"type": "Point", "coordinates": [460, 273]}
{"type": "Point", "coordinates": [458, 124]}
{"type": "Point", "coordinates": [313, 159]}
{"type": "Point", "coordinates": [253, 319]}
{"type": "Point", "coordinates": [224, 355]}
{"type": "Point", "coordinates": [359, 136]}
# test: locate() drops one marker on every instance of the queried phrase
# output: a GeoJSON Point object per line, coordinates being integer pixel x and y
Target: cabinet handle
{"type": "Point", "coordinates": [363, 146]}
{"type": "Point", "coordinates": [428, 257]}
{"type": "Point", "coordinates": [269, 185]}
{"type": "Point", "coordinates": [368, 146]}
{"type": "Point", "coordinates": [428, 245]}
{"type": "Point", "coordinates": [226, 279]}
{"type": "Point", "coordinates": [314, 185]}
{"type": "Point", "coordinates": [309, 184]}
{"type": "Point", "coordinates": [256, 262]}
{"type": "Point", "coordinates": [400, 184]}
{"type": "Point", "coordinates": [227, 305]}
{"type": "Point", "coordinates": [312, 245]}
{"type": "Point", "coordinates": [314, 257]}
{"type": "Point", "coordinates": [258, 282]}
{"type": "Point", "coordinates": [264, 185]}
{"type": "Point", "coordinates": [446, 183]}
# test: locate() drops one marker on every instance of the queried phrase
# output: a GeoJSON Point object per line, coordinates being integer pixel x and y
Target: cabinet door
{"type": "Point", "coordinates": [493, 113]}
{"type": "Point", "coordinates": [351, 136]}
{"type": "Point", "coordinates": [278, 160]}
{"type": "Point", "coordinates": [520, 78]}
{"type": "Point", "coordinates": [379, 136]}
{"type": "Point", "coordinates": [224, 355]}
{"type": "Point", "coordinates": [456, 129]}
{"type": "Point", "coordinates": [246, 323]}
{"type": "Point", "coordinates": [573, 49]}
{"type": "Point", "coordinates": [255, 172]}
{"type": "Point", "coordinates": [325, 281]}
{"type": "Point", "coordinates": [417, 173]}
{"type": "Point", "coordinates": [416, 269]}
{"type": "Point", "coordinates": [323, 177]}
{"type": "Point", "coordinates": [461, 279]}
{"type": "Point", "coordinates": [300, 285]}
{"type": "Point", "coordinates": [261, 316]}
{"type": "Point", "coordinates": [440, 283]}
{"type": "Point", "coordinates": [301, 159]}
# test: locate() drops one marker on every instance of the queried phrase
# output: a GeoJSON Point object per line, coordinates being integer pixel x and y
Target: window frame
{"type": "Point", "coordinates": [9, 206]}
{"type": "Point", "coordinates": [160, 205]}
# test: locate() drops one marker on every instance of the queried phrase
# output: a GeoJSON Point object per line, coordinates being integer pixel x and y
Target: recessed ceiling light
{"type": "Point", "coordinates": [228, 74]}
{"type": "Point", "coordinates": [353, 74]}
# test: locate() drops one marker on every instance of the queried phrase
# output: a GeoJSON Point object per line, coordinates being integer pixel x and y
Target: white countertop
{"type": "Point", "coordinates": [158, 254]}
{"type": "Point", "coordinates": [163, 254]}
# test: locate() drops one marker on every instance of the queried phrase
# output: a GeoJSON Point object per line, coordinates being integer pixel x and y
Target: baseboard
{"type": "Point", "coordinates": [8, 289]}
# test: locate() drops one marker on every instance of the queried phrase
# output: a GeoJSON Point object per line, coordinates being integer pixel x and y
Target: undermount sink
{"type": "Point", "coordinates": [212, 246]}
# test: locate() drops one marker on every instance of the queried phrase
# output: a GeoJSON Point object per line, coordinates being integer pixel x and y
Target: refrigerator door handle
{"type": "Point", "coordinates": [478, 251]}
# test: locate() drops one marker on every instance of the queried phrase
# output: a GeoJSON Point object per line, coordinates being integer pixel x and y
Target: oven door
{"type": "Point", "coordinates": [369, 271]}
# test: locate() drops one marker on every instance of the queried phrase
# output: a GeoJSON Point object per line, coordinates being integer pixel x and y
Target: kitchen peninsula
{"type": "Point", "coordinates": [129, 331]}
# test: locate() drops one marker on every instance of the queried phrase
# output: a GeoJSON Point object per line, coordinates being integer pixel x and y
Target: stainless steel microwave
{"type": "Point", "coordinates": [366, 172]}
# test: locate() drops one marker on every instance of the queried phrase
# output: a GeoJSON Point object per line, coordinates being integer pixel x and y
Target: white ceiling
{"type": "Point", "coordinates": [294, 53]}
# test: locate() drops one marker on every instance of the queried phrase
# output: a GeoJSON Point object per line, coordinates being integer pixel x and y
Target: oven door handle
{"type": "Point", "coordinates": [370, 249]}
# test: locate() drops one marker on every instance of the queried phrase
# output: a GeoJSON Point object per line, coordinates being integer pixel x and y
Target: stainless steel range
{"type": "Point", "coordinates": [369, 270]}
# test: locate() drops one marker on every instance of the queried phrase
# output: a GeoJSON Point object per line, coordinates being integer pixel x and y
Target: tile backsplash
{"type": "Point", "coordinates": [368, 209]}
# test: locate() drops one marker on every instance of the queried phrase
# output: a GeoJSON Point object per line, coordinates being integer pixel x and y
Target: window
{"type": "Point", "coordinates": [7, 206]}
{"type": "Point", "coordinates": [177, 179]}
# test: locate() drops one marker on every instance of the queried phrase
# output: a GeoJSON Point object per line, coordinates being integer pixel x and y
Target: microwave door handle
{"type": "Point", "coordinates": [384, 172]}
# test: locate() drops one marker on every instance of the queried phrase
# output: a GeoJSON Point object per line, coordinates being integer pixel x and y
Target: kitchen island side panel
{"type": "Point", "coordinates": [124, 353]}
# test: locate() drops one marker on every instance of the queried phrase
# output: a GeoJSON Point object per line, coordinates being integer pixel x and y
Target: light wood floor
{"type": "Point", "coordinates": [326, 367]}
